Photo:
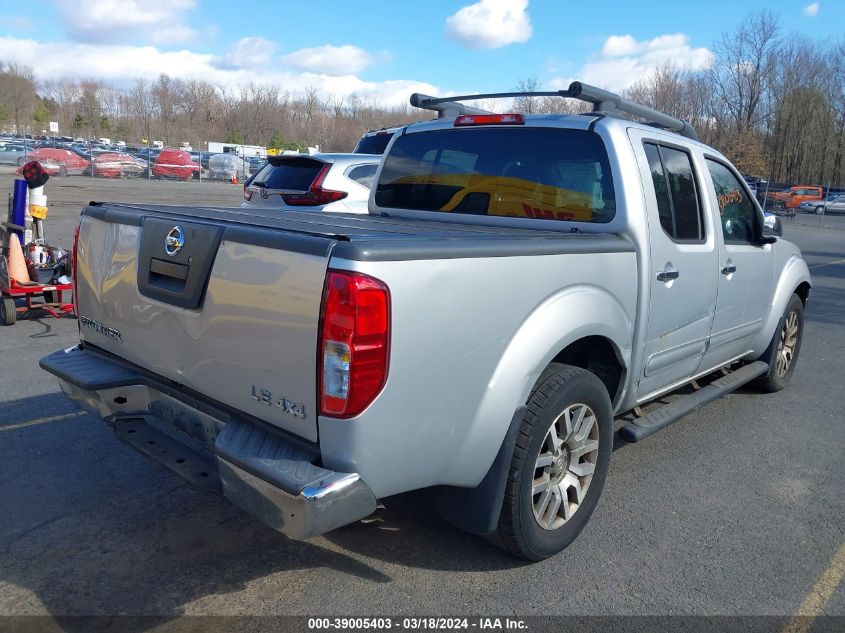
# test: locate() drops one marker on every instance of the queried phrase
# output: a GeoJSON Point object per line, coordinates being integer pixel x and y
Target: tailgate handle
{"type": "Point", "coordinates": [162, 268]}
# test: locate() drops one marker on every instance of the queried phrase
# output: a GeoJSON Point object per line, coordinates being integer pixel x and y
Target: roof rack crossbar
{"type": "Point", "coordinates": [602, 101]}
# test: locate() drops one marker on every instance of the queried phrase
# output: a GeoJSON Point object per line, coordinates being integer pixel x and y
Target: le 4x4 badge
{"type": "Point", "coordinates": [265, 397]}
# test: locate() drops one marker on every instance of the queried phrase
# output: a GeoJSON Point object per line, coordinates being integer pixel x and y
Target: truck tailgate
{"type": "Point", "coordinates": [230, 311]}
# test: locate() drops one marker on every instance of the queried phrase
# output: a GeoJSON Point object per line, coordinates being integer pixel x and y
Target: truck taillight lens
{"type": "Point", "coordinates": [73, 269]}
{"type": "Point", "coordinates": [315, 196]}
{"type": "Point", "coordinates": [354, 343]}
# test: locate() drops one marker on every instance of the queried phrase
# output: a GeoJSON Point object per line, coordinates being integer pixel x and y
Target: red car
{"type": "Point", "coordinates": [117, 165]}
{"type": "Point", "coordinates": [56, 161]}
{"type": "Point", "coordinates": [175, 163]}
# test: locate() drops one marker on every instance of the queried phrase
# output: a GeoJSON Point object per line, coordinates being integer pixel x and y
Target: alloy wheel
{"type": "Point", "coordinates": [564, 468]}
{"type": "Point", "coordinates": [787, 344]}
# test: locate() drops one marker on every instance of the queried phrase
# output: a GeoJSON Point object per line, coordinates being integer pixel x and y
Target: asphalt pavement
{"type": "Point", "coordinates": [737, 510]}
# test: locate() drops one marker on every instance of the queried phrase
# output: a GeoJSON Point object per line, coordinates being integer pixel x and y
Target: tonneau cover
{"type": "Point", "coordinates": [370, 237]}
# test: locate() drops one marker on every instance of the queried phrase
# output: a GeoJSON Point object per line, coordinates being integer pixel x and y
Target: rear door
{"type": "Point", "coordinates": [230, 312]}
{"type": "Point", "coordinates": [746, 268]}
{"type": "Point", "coordinates": [683, 256]}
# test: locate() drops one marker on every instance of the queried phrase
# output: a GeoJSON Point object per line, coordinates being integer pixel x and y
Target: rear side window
{"type": "Point", "coordinates": [373, 144]}
{"type": "Point", "coordinates": [290, 174]}
{"type": "Point", "coordinates": [525, 172]}
{"type": "Point", "coordinates": [363, 175]}
{"type": "Point", "coordinates": [677, 197]}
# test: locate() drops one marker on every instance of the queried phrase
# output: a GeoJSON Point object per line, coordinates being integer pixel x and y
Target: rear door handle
{"type": "Point", "coordinates": [727, 270]}
{"type": "Point", "coordinates": [667, 275]}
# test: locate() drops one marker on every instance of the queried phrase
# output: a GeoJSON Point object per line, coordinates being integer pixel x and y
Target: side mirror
{"type": "Point", "coordinates": [772, 229]}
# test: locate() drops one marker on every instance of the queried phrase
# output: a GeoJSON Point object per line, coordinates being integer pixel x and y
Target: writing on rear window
{"type": "Point", "coordinates": [538, 173]}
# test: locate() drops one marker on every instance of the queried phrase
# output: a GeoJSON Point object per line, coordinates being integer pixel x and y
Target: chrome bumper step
{"type": "Point", "coordinates": [186, 461]}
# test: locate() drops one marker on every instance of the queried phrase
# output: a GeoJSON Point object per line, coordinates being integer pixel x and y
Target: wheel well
{"type": "Point", "coordinates": [599, 356]}
{"type": "Point", "coordinates": [803, 291]}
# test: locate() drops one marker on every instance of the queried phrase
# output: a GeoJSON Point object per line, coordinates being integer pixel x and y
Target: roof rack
{"type": "Point", "coordinates": [603, 102]}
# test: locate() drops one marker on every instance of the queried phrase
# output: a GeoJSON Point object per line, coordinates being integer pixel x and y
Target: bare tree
{"type": "Point", "coordinates": [742, 71]}
{"type": "Point", "coordinates": [17, 93]}
{"type": "Point", "coordinates": [527, 105]}
{"type": "Point", "coordinates": [142, 106]}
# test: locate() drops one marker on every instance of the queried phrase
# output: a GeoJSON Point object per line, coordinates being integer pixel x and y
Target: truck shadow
{"type": "Point", "coordinates": [89, 527]}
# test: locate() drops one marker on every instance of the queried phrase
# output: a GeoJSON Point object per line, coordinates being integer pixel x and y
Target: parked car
{"type": "Point", "coordinates": [10, 153]}
{"type": "Point", "coordinates": [175, 163]}
{"type": "Point", "coordinates": [255, 163]}
{"type": "Point", "coordinates": [791, 199]}
{"type": "Point", "coordinates": [145, 152]}
{"type": "Point", "coordinates": [375, 141]}
{"type": "Point", "coordinates": [310, 364]}
{"type": "Point", "coordinates": [227, 167]}
{"type": "Point", "coordinates": [204, 158]}
{"type": "Point", "coordinates": [319, 182]}
{"type": "Point", "coordinates": [118, 165]}
{"type": "Point", "coordinates": [57, 161]}
{"type": "Point", "coordinates": [833, 204]}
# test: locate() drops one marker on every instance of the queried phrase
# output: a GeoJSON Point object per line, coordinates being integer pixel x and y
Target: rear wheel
{"type": "Point", "coordinates": [782, 352]}
{"type": "Point", "coordinates": [8, 313]}
{"type": "Point", "coordinates": [819, 210]}
{"type": "Point", "coordinates": [559, 464]}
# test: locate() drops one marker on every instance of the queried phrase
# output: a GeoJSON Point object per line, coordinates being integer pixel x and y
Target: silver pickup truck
{"type": "Point", "coordinates": [521, 286]}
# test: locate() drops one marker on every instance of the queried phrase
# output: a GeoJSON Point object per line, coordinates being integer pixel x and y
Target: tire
{"type": "Point", "coordinates": [782, 363]}
{"type": "Point", "coordinates": [8, 313]}
{"type": "Point", "coordinates": [819, 210]}
{"type": "Point", "coordinates": [536, 525]}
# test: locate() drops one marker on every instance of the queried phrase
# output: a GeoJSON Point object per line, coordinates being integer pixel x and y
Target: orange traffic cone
{"type": "Point", "coordinates": [235, 179]}
{"type": "Point", "coordinates": [17, 263]}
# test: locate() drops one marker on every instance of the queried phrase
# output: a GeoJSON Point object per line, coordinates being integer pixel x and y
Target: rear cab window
{"type": "Point", "coordinates": [525, 172]}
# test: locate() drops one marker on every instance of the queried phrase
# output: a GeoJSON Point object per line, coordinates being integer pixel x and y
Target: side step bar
{"type": "Point", "coordinates": [658, 419]}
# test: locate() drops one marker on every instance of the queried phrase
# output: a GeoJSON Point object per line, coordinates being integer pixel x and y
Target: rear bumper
{"type": "Point", "coordinates": [270, 475]}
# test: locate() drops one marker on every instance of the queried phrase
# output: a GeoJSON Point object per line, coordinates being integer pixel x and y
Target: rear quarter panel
{"type": "Point", "coordinates": [469, 339]}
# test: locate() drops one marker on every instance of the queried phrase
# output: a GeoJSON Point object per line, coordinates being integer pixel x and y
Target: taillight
{"type": "Point", "coordinates": [316, 195]}
{"type": "Point", "coordinates": [489, 119]}
{"type": "Point", "coordinates": [247, 194]}
{"type": "Point", "coordinates": [73, 269]}
{"type": "Point", "coordinates": [354, 343]}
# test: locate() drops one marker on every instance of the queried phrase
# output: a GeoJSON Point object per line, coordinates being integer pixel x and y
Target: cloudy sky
{"type": "Point", "coordinates": [390, 48]}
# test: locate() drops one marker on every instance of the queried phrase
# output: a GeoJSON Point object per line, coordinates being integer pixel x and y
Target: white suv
{"type": "Point", "coordinates": [319, 182]}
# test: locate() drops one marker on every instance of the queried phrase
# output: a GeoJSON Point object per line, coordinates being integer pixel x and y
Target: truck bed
{"type": "Point", "coordinates": [368, 237]}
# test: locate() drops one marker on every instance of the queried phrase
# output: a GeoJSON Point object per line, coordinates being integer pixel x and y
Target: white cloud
{"type": "Point", "coordinates": [121, 65]}
{"type": "Point", "coordinates": [118, 20]}
{"type": "Point", "coordinates": [491, 24]}
{"type": "Point", "coordinates": [330, 60]}
{"type": "Point", "coordinates": [248, 52]}
{"type": "Point", "coordinates": [624, 60]}
{"type": "Point", "coordinates": [812, 10]}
